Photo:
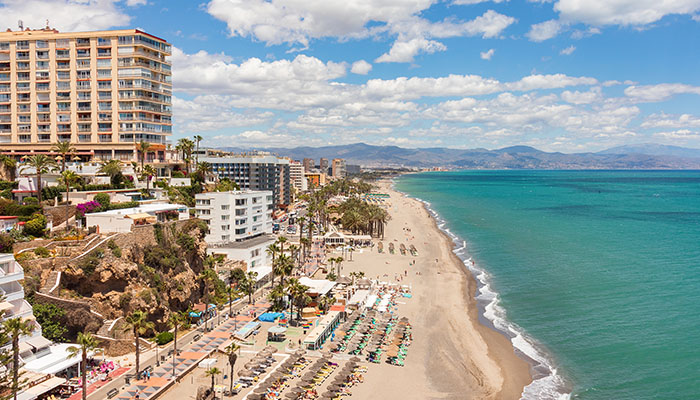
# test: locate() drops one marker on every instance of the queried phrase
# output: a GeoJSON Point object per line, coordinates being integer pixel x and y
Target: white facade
{"type": "Point", "coordinates": [296, 176]}
{"type": "Point", "coordinates": [123, 220]}
{"type": "Point", "coordinates": [13, 304]}
{"type": "Point", "coordinates": [253, 252]}
{"type": "Point", "coordinates": [236, 215]}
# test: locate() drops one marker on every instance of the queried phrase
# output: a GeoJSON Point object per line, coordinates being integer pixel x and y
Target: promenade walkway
{"type": "Point", "coordinates": [192, 354]}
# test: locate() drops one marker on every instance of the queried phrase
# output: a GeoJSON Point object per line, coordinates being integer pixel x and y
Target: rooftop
{"type": "Point", "coordinates": [144, 208]}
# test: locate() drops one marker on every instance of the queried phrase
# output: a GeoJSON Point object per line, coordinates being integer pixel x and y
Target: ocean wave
{"type": "Point", "coordinates": [547, 382]}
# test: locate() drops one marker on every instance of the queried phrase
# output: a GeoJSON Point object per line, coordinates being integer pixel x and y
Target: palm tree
{"type": "Point", "coordinates": [306, 245]}
{"type": "Point", "coordinates": [213, 372]}
{"type": "Point", "coordinates": [301, 221]}
{"type": "Point", "coordinates": [197, 139]}
{"type": "Point", "coordinates": [9, 165]}
{"type": "Point", "coordinates": [325, 302]}
{"type": "Point", "coordinates": [147, 173]}
{"type": "Point", "coordinates": [15, 328]}
{"type": "Point", "coordinates": [232, 292]}
{"type": "Point", "coordinates": [41, 165]}
{"type": "Point", "coordinates": [338, 261]}
{"type": "Point", "coordinates": [185, 146]}
{"type": "Point", "coordinates": [272, 250]}
{"type": "Point", "coordinates": [296, 292]}
{"type": "Point", "coordinates": [282, 240]}
{"type": "Point", "coordinates": [232, 357]}
{"type": "Point", "coordinates": [143, 148]}
{"type": "Point", "coordinates": [247, 284]}
{"type": "Point", "coordinates": [204, 169]}
{"type": "Point", "coordinates": [69, 178]}
{"type": "Point", "coordinates": [111, 168]}
{"type": "Point", "coordinates": [86, 344]}
{"type": "Point", "coordinates": [64, 149]}
{"type": "Point", "coordinates": [138, 323]}
{"type": "Point", "coordinates": [276, 295]}
{"type": "Point", "coordinates": [176, 320]}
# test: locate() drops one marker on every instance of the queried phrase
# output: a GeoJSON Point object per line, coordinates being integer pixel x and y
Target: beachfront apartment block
{"type": "Point", "coordinates": [104, 91]}
{"type": "Point", "coordinates": [235, 216]}
{"type": "Point", "coordinates": [323, 165]}
{"type": "Point", "coordinates": [256, 172]}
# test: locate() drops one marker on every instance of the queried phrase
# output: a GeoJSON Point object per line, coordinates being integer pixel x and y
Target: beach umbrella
{"type": "Point", "coordinates": [298, 390]}
{"type": "Point", "coordinates": [292, 395]}
{"type": "Point", "coordinates": [245, 373]}
{"type": "Point", "coordinates": [260, 389]}
{"type": "Point", "coordinates": [271, 348]}
{"type": "Point", "coordinates": [355, 359]}
{"type": "Point", "coordinates": [328, 395]}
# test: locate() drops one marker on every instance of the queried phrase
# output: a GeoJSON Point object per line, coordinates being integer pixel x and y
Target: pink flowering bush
{"type": "Point", "coordinates": [88, 207]}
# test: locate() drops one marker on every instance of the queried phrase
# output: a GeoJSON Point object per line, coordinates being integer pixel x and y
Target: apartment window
{"type": "Point", "coordinates": [4, 45]}
{"type": "Point", "coordinates": [84, 127]}
{"type": "Point", "coordinates": [240, 212]}
{"type": "Point", "coordinates": [104, 63]}
{"type": "Point", "coordinates": [82, 42]}
{"type": "Point", "coordinates": [44, 138]}
{"type": "Point", "coordinates": [240, 231]}
{"type": "Point", "coordinates": [204, 212]}
{"type": "Point", "coordinates": [24, 118]}
{"type": "Point", "coordinates": [104, 85]}
{"type": "Point", "coordinates": [83, 63]}
{"type": "Point", "coordinates": [64, 127]}
{"type": "Point", "coordinates": [23, 86]}
{"type": "Point", "coordinates": [63, 117]}
{"type": "Point", "coordinates": [224, 217]}
{"type": "Point", "coordinates": [63, 85]}
{"type": "Point", "coordinates": [225, 206]}
{"type": "Point", "coordinates": [62, 53]}
{"type": "Point", "coordinates": [62, 95]}
{"type": "Point", "coordinates": [41, 44]}
{"type": "Point", "coordinates": [42, 55]}
{"type": "Point", "coordinates": [64, 75]}
{"type": "Point", "coordinates": [62, 43]}
{"type": "Point", "coordinates": [241, 221]}
{"type": "Point", "coordinates": [42, 65]}
{"type": "Point", "coordinates": [84, 96]}
{"type": "Point", "coordinates": [23, 108]}
{"type": "Point", "coordinates": [104, 73]}
{"type": "Point", "coordinates": [23, 97]}
{"type": "Point", "coordinates": [22, 66]}
{"type": "Point", "coordinates": [83, 53]}
{"type": "Point", "coordinates": [25, 138]}
{"type": "Point", "coordinates": [63, 106]}
{"type": "Point", "coordinates": [240, 202]}
{"type": "Point", "coordinates": [225, 227]}
{"type": "Point", "coordinates": [83, 74]}
{"type": "Point", "coordinates": [22, 55]}
{"type": "Point", "coordinates": [84, 138]}
{"type": "Point", "coordinates": [23, 76]}
{"type": "Point", "coordinates": [104, 42]}
{"type": "Point", "coordinates": [104, 106]}
{"type": "Point", "coordinates": [84, 106]}
{"type": "Point", "coordinates": [225, 237]}
{"type": "Point", "coordinates": [104, 95]}
{"type": "Point", "coordinates": [104, 127]}
{"type": "Point", "coordinates": [42, 75]}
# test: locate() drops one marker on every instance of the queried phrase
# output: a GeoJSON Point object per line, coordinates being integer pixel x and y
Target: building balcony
{"type": "Point", "coordinates": [11, 272]}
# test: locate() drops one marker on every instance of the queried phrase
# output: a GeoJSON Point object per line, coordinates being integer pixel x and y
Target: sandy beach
{"type": "Point", "coordinates": [453, 356]}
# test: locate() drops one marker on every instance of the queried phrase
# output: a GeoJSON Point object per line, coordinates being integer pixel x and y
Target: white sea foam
{"type": "Point", "coordinates": [548, 384]}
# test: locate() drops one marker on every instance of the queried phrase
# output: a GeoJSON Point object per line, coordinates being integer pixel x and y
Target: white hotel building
{"type": "Point", "coordinates": [235, 216]}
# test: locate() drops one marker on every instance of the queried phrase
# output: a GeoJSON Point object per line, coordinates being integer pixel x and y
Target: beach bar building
{"type": "Point", "coordinates": [323, 330]}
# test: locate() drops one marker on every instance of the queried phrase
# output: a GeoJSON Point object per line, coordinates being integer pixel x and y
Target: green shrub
{"type": "Point", "coordinates": [50, 317]}
{"type": "Point", "coordinates": [146, 295]}
{"type": "Point", "coordinates": [126, 204]}
{"type": "Point", "coordinates": [36, 226]}
{"type": "Point", "coordinates": [6, 243]}
{"type": "Point", "coordinates": [8, 185]}
{"type": "Point", "coordinates": [89, 263]}
{"type": "Point", "coordinates": [6, 193]}
{"type": "Point", "coordinates": [124, 300]}
{"type": "Point", "coordinates": [111, 244]}
{"type": "Point", "coordinates": [103, 199]}
{"type": "Point", "coordinates": [177, 174]}
{"type": "Point", "coordinates": [164, 337]}
{"type": "Point", "coordinates": [9, 207]}
{"type": "Point", "coordinates": [42, 252]}
{"type": "Point", "coordinates": [30, 201]}
{"type": "Point", "coordinates": [52, 192]}
{"type": "Point", "coordinates": [117, 252]}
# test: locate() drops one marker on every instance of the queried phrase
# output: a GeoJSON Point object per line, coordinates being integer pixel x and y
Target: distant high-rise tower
{"type": "Point", "coordinates": [323, 165]}
{"type": "Point", "coordinates": [338, 168]}
{"type": "Point", "coordinates": [308, 164]}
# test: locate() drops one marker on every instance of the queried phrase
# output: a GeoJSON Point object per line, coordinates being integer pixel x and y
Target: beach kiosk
{"type": "Point", "coordinates": [277, 334]}
{"type": "Point", "coordinates": [323, 330]}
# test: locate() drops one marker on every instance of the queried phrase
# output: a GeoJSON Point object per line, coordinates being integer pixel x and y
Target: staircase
{"type": "Point", "coordinates": [52, 283]}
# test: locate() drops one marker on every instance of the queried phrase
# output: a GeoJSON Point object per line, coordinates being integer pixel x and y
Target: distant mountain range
{"type": "Point", "coordinates": [644, 156]}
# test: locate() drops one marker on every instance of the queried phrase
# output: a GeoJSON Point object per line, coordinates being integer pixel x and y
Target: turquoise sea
{"type": "Point", "coordinates": [593, 274]}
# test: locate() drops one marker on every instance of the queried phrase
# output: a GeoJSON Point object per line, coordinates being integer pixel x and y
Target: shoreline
{"type": "Point", "coordinates": [499, 345]}
{"type": "Point", "coordinates": [454, 355]}
{"type": "Point", "coordinates": [544, 379]}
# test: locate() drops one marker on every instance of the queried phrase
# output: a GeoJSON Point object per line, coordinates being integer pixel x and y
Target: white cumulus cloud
{"type": "Point", "coordinates": [544, 30]}
{"type": "Point", "coordinates": [405, 51]}
{"type": "Point", "coordinates": [486, 55]}
{"type": "Point", "coordinates": [361, 67]}
{"type": "Point", "coordinates": [568, 51]}
{"type": "Point", "coordinates": [622, 12]}
{"type": "Point", "coordinates": [64, 15]}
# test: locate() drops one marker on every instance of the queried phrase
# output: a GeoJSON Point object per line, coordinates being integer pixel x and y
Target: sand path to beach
{"type": "Point", "coordinates": [452, 356]}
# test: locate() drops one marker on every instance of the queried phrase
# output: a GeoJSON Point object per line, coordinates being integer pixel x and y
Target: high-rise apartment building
{"type": "Point", "coordinates": [308, 164]}
{"type": "Point", "coordinates": [104, 91]}
{"type": "Point", "coordinates": [338, 168]}
{"type": "Point", "coordinates": [323, 165]}
{"type": "Point", "coordinates": [296, 175]}
{"type": "Point", "coordinates": [255, 172]}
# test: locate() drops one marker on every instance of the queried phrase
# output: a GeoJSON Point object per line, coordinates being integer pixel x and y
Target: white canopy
{"type": "Point", "coordinates": [320, 286]}
{"type": "Point", "coordinates": [37, 390]}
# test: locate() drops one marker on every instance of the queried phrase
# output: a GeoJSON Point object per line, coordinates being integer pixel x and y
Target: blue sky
{"type": "Point", "coordinates": [560, 75]}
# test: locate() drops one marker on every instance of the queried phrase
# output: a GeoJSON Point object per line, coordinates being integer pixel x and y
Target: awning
{"type": "Point", "coordinates": [276, 330]}
{"type": "Point", "coordinates": [37, 390]}
{"type": "Point", "coordinates": [24, 346]}
{"type": "Point", "coordinates": [140, 216]}
{"type": "Point", "coordinates": [39, 342]}
{"type": "Point", "coordinates": [4, 306]}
